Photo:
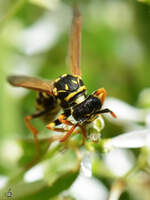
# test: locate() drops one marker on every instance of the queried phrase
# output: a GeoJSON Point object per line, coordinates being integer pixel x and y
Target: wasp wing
{"type": "Point", "coordinates": [31, 83]}
{"type": "Point", "coordinates": [75, 43]}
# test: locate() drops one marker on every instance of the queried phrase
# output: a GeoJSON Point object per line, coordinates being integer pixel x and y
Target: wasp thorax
{"type": "Point", "coordinates": [86, 110]}
{"type": "Point", "coordinates": [67, 89]}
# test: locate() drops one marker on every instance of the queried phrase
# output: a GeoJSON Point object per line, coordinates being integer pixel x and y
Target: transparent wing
{"type": "Point", "coordinates": [31, 83]}
{"type": "Point", "coordinates": [75, 43]}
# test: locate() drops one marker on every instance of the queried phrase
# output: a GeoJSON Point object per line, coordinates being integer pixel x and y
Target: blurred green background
{"type": "Point", "coordinates": [115, 55]}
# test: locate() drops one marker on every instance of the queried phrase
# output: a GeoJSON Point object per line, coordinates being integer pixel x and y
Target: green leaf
{"type": "Point", "coordinates": [44, 190]}
{"type": "Point", "coordinates": [144, 1]}
{"type": "Point", "coordinates": [30, 153]}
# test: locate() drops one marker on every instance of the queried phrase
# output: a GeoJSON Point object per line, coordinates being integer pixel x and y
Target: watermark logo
{"type": "Point", "coordinates": [9, 193]}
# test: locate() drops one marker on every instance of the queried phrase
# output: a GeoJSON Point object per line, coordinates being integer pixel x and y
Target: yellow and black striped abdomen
{"type": "Point", "coordinates": [67, 89]}
{"type": "Point", "coordinates": [48, 103]}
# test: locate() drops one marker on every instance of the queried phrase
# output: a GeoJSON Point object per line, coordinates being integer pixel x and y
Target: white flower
{"type": "Point", "coordinates": [124, 157]}
{"type": "Point", "coordinates": [86, 166]}
{"type": "Point", "coordinates": [133, 139]}
{"type": "Point", "coordinates": [85, 188]}
{"type": "Point", "coordinates": [125, 112]}
{"type": "Point", "coordinates": [34, 174]}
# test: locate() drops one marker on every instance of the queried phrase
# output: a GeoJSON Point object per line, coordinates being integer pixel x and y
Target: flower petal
{"type": "Point", "coordinates": [134, 139]}
{"type": "Point", "coordinates": [124, 111]}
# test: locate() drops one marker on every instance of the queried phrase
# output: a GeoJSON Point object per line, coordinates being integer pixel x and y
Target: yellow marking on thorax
{"type": "Point", "coordinates": [78, 80]}
{"type": "Point", "coordinates": [74, 81]}
{"type": "Point", "coordinates": [61, 91]}
{"type": "Point", "coordinates": [64, 75]}
{"type": "Point", "coordinates": [77, 76]}
{"type": "Point", "coordinates": [74, 93]}
{"type": "Point", "coordinates": [66, 87]}
{"type": "Point", "coordinates": [57, 80]}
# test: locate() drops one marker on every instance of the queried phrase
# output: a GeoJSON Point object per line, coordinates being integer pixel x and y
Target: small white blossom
{"type": "Point", "coordinates": [119, 161]}
{"type": "Point", "coordinates": [134, 139]}
{"type": "Point", "coordinates": [86, 166]}
{"type": "Point", "coordinates": [34, 174]}
{"type": "Point", "coordinates": [85, 188]}
{"type": "Point", "coordinates": [125, 112]}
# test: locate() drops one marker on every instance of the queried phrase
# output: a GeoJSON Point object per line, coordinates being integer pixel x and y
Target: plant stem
{"type": "Point", "coordinates": [116, 189]}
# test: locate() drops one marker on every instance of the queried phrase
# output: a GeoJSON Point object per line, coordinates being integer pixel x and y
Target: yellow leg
{"type": "Point", "coordinates": [52, 125]}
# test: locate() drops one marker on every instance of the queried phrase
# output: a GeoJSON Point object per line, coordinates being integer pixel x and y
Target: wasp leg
{"type": "Point", "coordinates": [101, 94]}
{"type": "Point", "coordinates": [62, 119]}
{"type": "Point", "coordinates": [52, 125]}
{"type": "Point", "coordinates": [69, 133]}
{"type": "Point", "coordinates": [106, 110]}
{"type": "Point", "coordinates": [31, 128]}
{"type": "Point", "coordinates": [67, 122]}
{"type": "Point", "coordinates": [81, 131]}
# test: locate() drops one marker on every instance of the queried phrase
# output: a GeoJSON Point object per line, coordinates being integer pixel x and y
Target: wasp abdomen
{"type": "Point", "coordinates": [86, 109]}
{"type": "Point", "coordinates": [48, 103]}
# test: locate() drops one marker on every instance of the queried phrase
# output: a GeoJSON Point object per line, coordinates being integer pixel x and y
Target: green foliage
{"type": "Point", "coordinates": [45, 190]}
{"type": "Point", "coordinates": [144, 1]}
{"type": "Point", "coordinates": [29, 151]}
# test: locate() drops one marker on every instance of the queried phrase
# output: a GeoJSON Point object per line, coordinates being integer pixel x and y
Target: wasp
{"type": "Point", "coordinates": [67, 92]}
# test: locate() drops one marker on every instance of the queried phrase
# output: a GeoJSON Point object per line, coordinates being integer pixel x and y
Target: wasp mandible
{"type": "Point", "coordinates": [67, 92]}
